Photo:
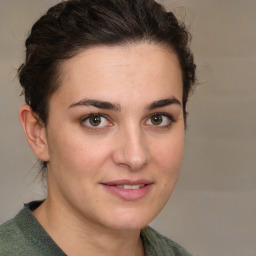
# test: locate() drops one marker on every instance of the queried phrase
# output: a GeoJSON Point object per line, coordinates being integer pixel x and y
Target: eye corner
{"type": "Point", "coordinates": [162, 120]}
{"type": "Point", "coordinates": [96, 121]}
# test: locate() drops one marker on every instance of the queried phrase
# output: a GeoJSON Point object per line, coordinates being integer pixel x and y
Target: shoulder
{"type": "Point", "coordinates": [9, 235]}
{"type": "Point", "coordinates": [157, 244]}
{"type": "Point", "coordinates": [7, 228]}
{"type": "Point", "coordinates": [23, 235]}
{"type": "Point", "coordinates": [14, 239]}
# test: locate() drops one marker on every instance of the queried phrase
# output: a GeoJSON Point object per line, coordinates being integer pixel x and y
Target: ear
{"type": "Point", "coordinates": [35, 132]}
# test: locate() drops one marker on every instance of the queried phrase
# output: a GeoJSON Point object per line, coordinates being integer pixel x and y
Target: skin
{"type": "Point", "coordinates": [127, 144]}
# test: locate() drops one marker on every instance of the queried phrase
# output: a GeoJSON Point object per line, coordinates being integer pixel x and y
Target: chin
{"type": "Point", "coordinates": [129, 225]}
{"type": "Point", "coordinates": [128, 219]}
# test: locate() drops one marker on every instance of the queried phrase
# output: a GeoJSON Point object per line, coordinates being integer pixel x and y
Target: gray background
{"type": "Point", "coordinates": [213, 209]}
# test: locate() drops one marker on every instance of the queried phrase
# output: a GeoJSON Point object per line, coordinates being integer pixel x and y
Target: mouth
{"type": "Point", "coordinates": [131, 186]}
{"type": "Point", "coordinates": [128, 190]}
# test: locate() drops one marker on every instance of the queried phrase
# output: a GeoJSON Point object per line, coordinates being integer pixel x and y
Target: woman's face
{"type": "Point", "coordinates": [115, 134]}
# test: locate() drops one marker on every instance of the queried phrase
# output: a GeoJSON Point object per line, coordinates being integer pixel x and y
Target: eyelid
{"type": "Point", "coordinates": [95, 128]}
{"type": "Point", "coordinates": [169, 116]}
{"type": "Point", "coordinates": [94, 114]}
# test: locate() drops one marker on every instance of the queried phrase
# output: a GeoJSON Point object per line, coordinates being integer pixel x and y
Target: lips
{"type": "Point", "coordinates": [127, 189]}
{"type": "Point", "coordinates": [127, 182]}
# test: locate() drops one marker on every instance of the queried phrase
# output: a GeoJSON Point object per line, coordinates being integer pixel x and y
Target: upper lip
{"type": "Point", "coordinates": [127, 182]}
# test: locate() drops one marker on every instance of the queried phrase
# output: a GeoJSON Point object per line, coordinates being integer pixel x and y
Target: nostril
{"type": "Point", "coordinates": [131, 158]}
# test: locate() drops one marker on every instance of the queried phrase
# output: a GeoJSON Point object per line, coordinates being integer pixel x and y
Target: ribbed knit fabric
{"type": "Point", "coordinates": [24, 236]}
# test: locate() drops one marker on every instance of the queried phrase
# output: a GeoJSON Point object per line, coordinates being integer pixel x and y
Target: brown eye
{"type": "Point", "coordinates": [156, 119]}
{"type": "Point", "coordinates": [95, 120]}
{"type": "Point", "coordinates": [160, 120]}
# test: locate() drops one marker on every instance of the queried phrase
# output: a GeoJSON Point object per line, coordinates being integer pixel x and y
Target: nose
{"type": "Point", "coordinates": [131, 149]}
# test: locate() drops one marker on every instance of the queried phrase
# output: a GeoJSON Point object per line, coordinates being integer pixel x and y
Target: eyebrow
{"type": "Point", "coordinates": [96, 103]}
{"type": "Point", "coordinates": [116, 107]}
{"type": "Point", "coordinates": [163, 103]}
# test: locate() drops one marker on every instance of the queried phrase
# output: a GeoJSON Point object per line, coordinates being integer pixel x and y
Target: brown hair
{"type": "Point", "coordinates": [74, 25]}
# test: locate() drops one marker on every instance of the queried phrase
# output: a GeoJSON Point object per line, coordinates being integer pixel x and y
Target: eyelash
{"type": "Point", "coordinates": [94, 128]}
{"type": "Point", "coordinates": [170, 118]}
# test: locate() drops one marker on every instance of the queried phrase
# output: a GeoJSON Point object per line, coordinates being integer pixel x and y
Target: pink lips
{"type": "Point", "coordinates": [129, 190]}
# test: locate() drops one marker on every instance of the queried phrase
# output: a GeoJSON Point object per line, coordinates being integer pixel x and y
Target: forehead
{"type": "Point", "coordinates": [128, 70]}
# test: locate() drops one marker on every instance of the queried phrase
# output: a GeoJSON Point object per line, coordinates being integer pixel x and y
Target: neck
{"type": "Point", "coordinates": [76, 235]}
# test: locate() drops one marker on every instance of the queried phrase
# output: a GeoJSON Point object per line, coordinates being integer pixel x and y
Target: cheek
{"type": "Point", "coordinates": [167, 157]}
{"type": "Point", "coordinates": [76, 153]}
{"type": "Point", "coordinates": [169, 152]}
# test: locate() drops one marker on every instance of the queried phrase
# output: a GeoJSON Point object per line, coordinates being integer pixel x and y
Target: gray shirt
{"type": "Point", "coordinates": [23, 235]}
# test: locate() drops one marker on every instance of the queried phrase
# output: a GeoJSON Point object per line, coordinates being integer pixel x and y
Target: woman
{"type": "Point", "coordinates": [106, 85]}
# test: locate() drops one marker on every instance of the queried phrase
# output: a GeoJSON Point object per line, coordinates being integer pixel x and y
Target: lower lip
{"type": "Point", "coordinates": [129, 194]}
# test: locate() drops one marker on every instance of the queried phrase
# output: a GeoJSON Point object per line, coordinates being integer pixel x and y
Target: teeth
{"type": "Point", "coordinates": [131, 186]}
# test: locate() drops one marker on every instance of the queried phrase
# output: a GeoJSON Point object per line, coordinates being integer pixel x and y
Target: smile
{"type": "Point", "coordinates": [128, 190]}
